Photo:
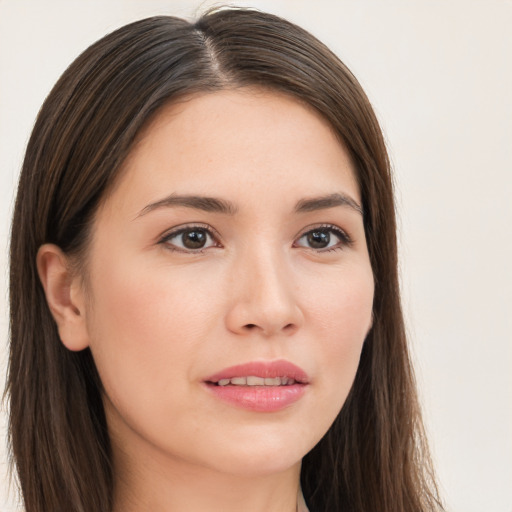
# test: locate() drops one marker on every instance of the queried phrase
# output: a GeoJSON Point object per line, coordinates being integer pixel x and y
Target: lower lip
{"type": "Point", "coordinates": [259, 398]}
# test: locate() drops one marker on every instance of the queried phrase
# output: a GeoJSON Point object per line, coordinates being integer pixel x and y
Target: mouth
{"type": "Point", "coordinates": [261, 386]}
{"type": "Point", "coordinates": [252, 380]}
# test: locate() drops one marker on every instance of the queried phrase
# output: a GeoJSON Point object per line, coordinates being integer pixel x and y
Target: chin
{"type": "Point", "coordinates": [261, 454]}
{"type": "Point", "coordinates": [260, 465]}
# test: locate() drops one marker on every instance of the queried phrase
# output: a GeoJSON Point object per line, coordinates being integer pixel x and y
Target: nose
{"type": "Point", "coordinates": [264, 297]}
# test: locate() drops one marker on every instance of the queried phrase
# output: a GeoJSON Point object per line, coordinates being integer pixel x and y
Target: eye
{"type": "Point", "coordinates": [190, 239]}
{"type": "Point", "coordinates": [324, 238]}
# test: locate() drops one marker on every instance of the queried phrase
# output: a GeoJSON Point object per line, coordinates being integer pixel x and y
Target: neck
{"type": "Point", "coordinates": [177, 487]}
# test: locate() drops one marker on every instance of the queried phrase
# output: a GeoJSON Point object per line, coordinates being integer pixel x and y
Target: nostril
{"type": "Point", "coordinates": [289, 328]}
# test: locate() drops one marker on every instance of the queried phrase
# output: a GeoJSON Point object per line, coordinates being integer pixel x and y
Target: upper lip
{"type": "Point", "coordinates": [265, 369]}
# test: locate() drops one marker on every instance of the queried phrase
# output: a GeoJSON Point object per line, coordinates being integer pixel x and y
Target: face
{"type": "Point", "coordinates": [229, 285]}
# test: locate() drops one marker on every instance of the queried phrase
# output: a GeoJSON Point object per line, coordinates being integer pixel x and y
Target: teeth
{"type": "Point", "coordinates": [255, 381]}
{"type": "Point", "coordinates": [251, 380]}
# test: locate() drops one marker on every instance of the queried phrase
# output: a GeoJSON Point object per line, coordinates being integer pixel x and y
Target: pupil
{"type": "Point", "coordinates": [194, 239]}
{"type": "Point", "coordinates": [319, 239]}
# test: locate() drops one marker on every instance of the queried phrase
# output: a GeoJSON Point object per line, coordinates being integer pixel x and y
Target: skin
{"type": "Point", "coordinates": [159, 317]}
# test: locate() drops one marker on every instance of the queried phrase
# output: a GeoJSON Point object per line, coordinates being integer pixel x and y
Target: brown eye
{"type": "Point", "coordinates": [324, 237]}
{"type": "Point", "coordinates": [192, 239]}
{"type": "Point", "coordinates": [318, 239]}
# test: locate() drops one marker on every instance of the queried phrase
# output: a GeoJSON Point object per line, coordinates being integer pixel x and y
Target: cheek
{"type": "Point", "coordinates": [340, 314]}
{"type": "Point", "coordinates": [144, 319]}
{"type": "Point", "coordinates": [145, 340]}
{"type": "Point", "coordinates": [341, 305]}
{"type": "Point", "coordinates": [148, 305]}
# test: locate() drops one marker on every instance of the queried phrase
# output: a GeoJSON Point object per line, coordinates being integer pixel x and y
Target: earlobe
{"type": "Point", "coordinates": [64, 296]}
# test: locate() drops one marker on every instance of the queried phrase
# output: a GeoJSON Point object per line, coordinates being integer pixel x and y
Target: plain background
{"type": "Point", "coordinates": [439, 75]}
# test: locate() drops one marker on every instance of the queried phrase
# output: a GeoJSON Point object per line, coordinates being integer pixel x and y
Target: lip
{"type": "Point", "coordinates": [270, 369]}
{"type": "Point", "coordinates": [260, 398]}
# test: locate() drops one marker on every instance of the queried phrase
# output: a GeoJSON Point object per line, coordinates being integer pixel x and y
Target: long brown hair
{"type": "Point", "coordinates": [374, 457]}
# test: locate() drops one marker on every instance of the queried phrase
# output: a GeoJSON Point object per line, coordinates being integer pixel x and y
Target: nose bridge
{"type": "Point", "coordinates": [271, 276]}
{"type": "Point", "coordinates": [265, 297]}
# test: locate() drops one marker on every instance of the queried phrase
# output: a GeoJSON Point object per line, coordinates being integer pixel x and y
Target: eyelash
{"type": "Point", "coordinates": [211, 233]}
{"type": "Point", "coordinates": [345, 239]}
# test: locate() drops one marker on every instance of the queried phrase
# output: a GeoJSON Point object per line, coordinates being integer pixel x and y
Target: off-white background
{"type": "Point", "coordinates": [439, 74]}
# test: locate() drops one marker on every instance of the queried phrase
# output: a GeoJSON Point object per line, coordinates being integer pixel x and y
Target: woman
{"type": "Point", "coordinates": [204, 297]}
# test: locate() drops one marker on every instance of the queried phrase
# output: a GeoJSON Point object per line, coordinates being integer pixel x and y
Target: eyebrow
{"type": "Point", "coordinates": [216, 205]}
{"type": "Point", "coordinates": [328, 201]}
{"type": "Point", "coordinates": [207, 204]}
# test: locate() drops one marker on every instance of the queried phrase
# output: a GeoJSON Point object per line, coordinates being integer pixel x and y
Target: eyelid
{"type": "Point", "coordinates": [342, 234]}
{"type": "Point", "coordinates": [177, 230]}
{"type": "Point", "coordinates": [346, 239]}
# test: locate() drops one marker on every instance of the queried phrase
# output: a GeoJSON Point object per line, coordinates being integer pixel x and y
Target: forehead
{"type": "Point", "coordinates": [235, 140]}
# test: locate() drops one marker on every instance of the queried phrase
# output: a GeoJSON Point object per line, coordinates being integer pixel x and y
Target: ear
{"type": "Point", "coordinates": [64, 295]}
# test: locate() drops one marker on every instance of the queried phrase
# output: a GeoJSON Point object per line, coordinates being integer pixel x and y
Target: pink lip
{"type": "Point", "coordinates": [260, 398]}
{"type": "Point", "coordinates": [270, 369]}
